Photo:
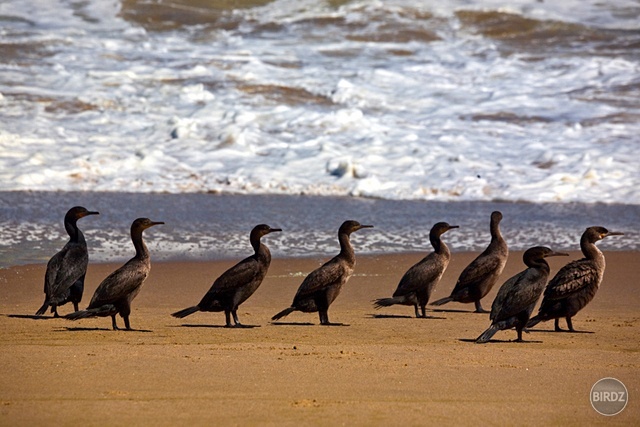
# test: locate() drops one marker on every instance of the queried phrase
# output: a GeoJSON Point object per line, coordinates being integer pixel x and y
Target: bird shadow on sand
{"type": "Point", "coordinates": [492, 341]}
{"type": "Point", "coordinates": [564, 331]}
{"type": "Point", "coordinates": [454, 310]}
{"type": "Point", "coordinates": [293, 324]}
{"type": "Point", "coordinates": [82, 329]}
{"type": "Point", "coordinates": [191, 325]}
{"type": "Point", "coordinates": [31, 316]}
{"type": "Point", "coordinates": [401, 316]}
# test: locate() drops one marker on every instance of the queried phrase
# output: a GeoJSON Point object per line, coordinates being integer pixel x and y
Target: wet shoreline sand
{"type": "Point", "coordinates": [385, 368]}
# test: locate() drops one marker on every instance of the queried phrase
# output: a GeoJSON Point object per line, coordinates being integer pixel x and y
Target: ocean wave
{"type": "Point", "coordinates": [460, 101]}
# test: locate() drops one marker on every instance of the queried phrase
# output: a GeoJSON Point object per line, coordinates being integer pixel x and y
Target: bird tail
{"type": "Point", "coordinates": [442, 301]}
{"type": "Point", "coordinates": [385, 302]}
{"type": "Point", "coordinates": [102, 311]}
{"type": "Point", "coordinates": [534, 321]}
{"type": "Point", "coordinates": [287, 311]}
{"type": "Point", "coordinates": [186, 312]}
{"type": "Point", "coordinates": [486, 335]}
{"type": "Point", "coordinates": [43, 309]}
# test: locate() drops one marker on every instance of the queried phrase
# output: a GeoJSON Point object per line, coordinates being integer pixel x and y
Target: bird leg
{"type": "Point", "coordinates": [227, 316]}
{"type": "Point", "coordinates": [126, 322]}
{"type": "Point", "coordinates": [324, 317]}
{"type": "Point", "coordinates": [479, 308]}
{"type": "Point", "coordinates": [76, 306]}
{"type": "Point", "coordinates": [234, 313]}
{"type": "Point", "coordinates": [424, 311]}
{"type": "Point", "coordinates": [570, 324]}
{"type": "Point", "coordinates": [114, 325]}
{"type": "Point", "coordinates": [557, 327]}
{"type": "Point", "coordinates": [324, 320]}
{"type": "Point", "coordinates": [417, 312]}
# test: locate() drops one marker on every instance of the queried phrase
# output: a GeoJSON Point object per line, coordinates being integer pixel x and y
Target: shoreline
{"type": "Point", "coordinates": [385, 367]}
{"type": "Point", "coordinates": [210, 227]}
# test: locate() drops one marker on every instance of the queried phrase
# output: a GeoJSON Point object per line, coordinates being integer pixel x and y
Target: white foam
{"type": "Point", "coordinates": [118, 108]}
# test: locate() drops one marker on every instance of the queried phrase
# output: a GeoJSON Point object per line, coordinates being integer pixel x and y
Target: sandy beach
{"type": "Point", "coordinates": [385, 367]}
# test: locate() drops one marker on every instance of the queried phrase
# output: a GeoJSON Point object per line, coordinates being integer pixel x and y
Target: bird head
{"type": "Point", "coordinates": [350, 226]}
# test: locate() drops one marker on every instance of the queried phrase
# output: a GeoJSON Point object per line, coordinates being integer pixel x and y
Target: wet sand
{"type": "Point", "coordinates": [385, 368]}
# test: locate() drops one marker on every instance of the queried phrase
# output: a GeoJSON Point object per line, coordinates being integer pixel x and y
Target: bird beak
{"type": "Point", "coordinates": [90, 213]}
{"type": "Point", "coordinates": [453, 226]}
{"type": "Point", "coordinates": [271, 230]}
{"type": "Point", "coordinates": [366, 226]}
{"type": "Point", "coordinates": [557, 254]}
{"type": "Point", "coordinates": [613, 233]}
{"type": "Point", "coordinates": [156, 223]}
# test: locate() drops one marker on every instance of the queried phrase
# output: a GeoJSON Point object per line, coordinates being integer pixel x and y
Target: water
{"type": "Point", "coordinates": [216, 116]}
{"type": "Point", "coordinates": [202, 226]}
{"type": "Point", "coordinates": [459, 101]}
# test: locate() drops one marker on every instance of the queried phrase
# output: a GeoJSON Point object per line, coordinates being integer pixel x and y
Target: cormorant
{"type": "Point", "coordinates": [115, 293]}
{"type": "Point", "coordinates": [575, 284]}
{"type": "Point", "coordinates": [518, 296]}
{"type": "Point", "coordinates": [238, 283]}
{"type": "Point", "coordinates": [321, 287]}
{"type": "Point", "coordinates": [64, 279]}
{"type": "Point", "coordinates": [477, 279]}
{"type": "Point", "coordinates": [420, 280]}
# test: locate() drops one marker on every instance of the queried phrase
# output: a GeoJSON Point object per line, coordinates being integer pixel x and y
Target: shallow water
{"type": "Point", "coordinates": [448, 101]}
{"type": "Point", "coordinates": [207, 226]}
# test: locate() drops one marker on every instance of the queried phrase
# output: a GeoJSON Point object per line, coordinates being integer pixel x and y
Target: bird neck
{"type": "Point", "coordinates": [438, 245]}
{"type": "Point", "coordinates": [590, 250]}
{"type": "Point", "coordinates": [261, 251]}
{"type": "Point", "coordinates": [73, 231]}
{"type": "Point", "coordinates": [495, 231]}
{"type": "Point", "coordinates": [141, 249]}
{"type": "Point", "coordinates": [497, 242]}
{"type": "Point", "coordinates": [346, 250]}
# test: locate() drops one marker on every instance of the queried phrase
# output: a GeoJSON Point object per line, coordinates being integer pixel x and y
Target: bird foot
{"type": "Point", "coordinates": [333, 324]}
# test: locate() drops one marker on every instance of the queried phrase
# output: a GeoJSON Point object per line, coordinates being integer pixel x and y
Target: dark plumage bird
{"type": "Point", "coordinates": [64, 279]}
{"type": "Point", "coordinates": [238, 283]}
{"type": "Point", "coordinates": [477, 279]}
{"type": "Point", "coordinates": [575, 285]}
{"type": "Point", "coordinates": [115, 293]}
{"type": "Point", "coordinates": [420, 280]}
{"type": "Point", "coordinates": [518, 296]}
{"type": "Point", "coordinates": [321, 287]}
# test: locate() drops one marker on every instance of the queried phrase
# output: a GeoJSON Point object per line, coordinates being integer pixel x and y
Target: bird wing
{"type": "Point", "coordinates": [64, 268]}
{"type": "Point", "coordinates": [517, 294]}
{"type": "Point", "coordinates": [119, 284]}
{"type": "Point", "coordinates": [479, 268]}
{"type": "Point", "coordinates": [570, 279]}
{"type": "Point", "coordinates": [419, 275]}
{"type": "Point", "coordinates": [329, 274]}
{"type": "Point", "coordinates": [239, 275]}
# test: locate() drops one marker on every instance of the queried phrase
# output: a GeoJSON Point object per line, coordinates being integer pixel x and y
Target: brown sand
{"type": "Point", "coordinates": [392, 370]}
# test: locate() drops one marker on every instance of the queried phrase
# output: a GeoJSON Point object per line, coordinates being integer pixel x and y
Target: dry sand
{"type": "Point", "coordinates": [388, 370]}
